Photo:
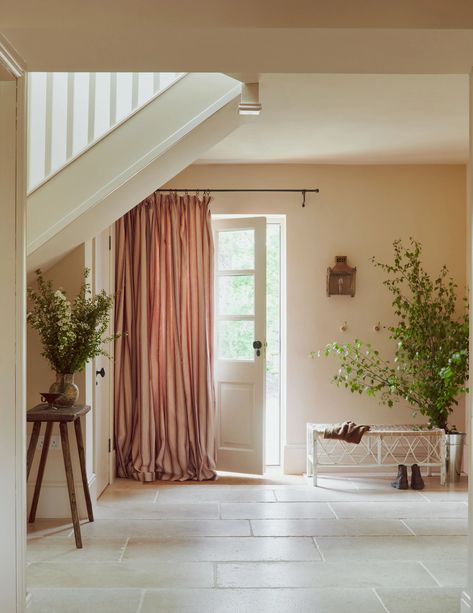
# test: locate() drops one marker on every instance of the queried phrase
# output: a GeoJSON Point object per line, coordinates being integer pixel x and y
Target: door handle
{"type": "Point", "coordinates": [257, 345]}
{"type": "Point", "coordinates": [100, 372]}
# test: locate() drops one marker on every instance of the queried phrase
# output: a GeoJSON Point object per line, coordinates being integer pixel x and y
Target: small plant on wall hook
{"type": "Point", "coordinates": [344, 327]}
{"type": "Point", "coordinates": [377, 327]}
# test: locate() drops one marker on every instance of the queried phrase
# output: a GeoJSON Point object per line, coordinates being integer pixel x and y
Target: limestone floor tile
{"type": "Point", "coordinates": [83, 600]}
{"type": "Point", "coordinates": [127, 496]}
{"type": "Point", "coordinates": [274, 510]}
{"type": "Point", "coordinates": [119, 574]}
{"type": "Point", "coordinates": [321, 494]}
{"type": "Point", "coordinates": [216, 549]}
{"type": "Point", "coordinates": [166, 527]}
{"type": "Point", "coordinates": [370, 573]}
{"type": "Point", "coordinates": [393, 547]}
{"type": "Point", "coordinates": [449, 573]}
{"type": "Point", "coordinates": [57, 528]}
{"type": "Point", "coordinates": [142, 510]}
{"type": "Point", "coordinates": [445, 496]}
{"type": "Point", "coordinates": [328, 527]}
{"type": "Point", "coordinates": [261, 601]}
{"type": "Point", "coordinates": [47, 549]}
{"type": "Point", "coordinates": [216, 493]}
{"type": "Point", "coordinates": [421, 600]}
{"type": "Point", "coordinates": [332, 482]}
{"type": "Point", "coordinates": [400, 510]}
{"type": "Point", "coordinates": [384, 482]}
{"type": "Point", "coordinates": [438, 527]}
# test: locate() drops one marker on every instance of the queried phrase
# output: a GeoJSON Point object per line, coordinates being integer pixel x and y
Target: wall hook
{"type": "Point", "coordinates": [344, 327]}
{"type": "Point", "coordinates": [377, 327]}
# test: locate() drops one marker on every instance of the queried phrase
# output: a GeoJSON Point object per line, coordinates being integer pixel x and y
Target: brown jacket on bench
{"type": "Point", "coordinates": [347, 431]}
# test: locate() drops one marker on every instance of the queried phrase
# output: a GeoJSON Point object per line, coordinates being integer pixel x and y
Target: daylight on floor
{"type": "Point", "coordinates": [236, 275]}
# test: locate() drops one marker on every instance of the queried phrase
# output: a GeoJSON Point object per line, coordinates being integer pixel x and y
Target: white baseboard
{"type": "Point", "coordinates": [54, 499]}
{"type": "Point", "coordinates": [294, 459]}
{"type": "Point", "coordinates": [465, 603]}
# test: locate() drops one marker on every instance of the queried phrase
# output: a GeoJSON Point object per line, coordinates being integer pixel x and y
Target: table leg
{"type": "Point", "coordinates": [42, 464]}
{"type": "Point", "coordinates": [32, 446]}
{"type": "Point", "coordinates": [66, 452]}
{"type": "Point", "coordinates": [80, 448]}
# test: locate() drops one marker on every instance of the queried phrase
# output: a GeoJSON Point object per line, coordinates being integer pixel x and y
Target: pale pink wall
{"type": "Point", "coordinates": [359, 212]}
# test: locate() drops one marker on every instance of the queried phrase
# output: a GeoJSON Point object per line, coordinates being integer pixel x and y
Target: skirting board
{"type": "Point", "coordinates": [54, 499]}
{"type": "Point", "coordinates": [465, 603]}
{"type": "Point", "coordinates": [294, 459]}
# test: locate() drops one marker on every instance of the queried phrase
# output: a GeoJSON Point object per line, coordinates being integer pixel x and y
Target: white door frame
{"type": "Point", "coordinates": [109, 285]}
{"type": "Point", "coordinates": [281, 220]}
{"type": "Point", "coordinates": [242, 382]}
{"type": "Point", "coordinates": [12, 333]}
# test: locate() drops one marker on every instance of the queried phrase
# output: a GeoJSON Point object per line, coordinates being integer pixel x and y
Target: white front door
{"type": "Point", "coordinates": [103, 371]}
{"type": "Point", "coordinates": [240, 342]}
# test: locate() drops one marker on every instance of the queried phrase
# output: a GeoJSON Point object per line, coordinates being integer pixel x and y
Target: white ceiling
{"type": "Point", "coordinates": [242, 36]}
{"type": "Point", "coordinates": [353, 119]}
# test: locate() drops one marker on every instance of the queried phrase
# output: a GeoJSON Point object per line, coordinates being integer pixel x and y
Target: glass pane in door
{"type": "Point", "coordinates": [236, 250]}
{"type": "Point", "coordinates": [235, 340]}
{"type": "Point", "coordinates": [236, 294]}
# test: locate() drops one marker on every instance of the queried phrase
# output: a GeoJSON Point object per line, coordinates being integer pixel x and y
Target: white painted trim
{"type": "Point", "coordinates": [90, 124]}
{"type": "Point", "coordinates": [134, 90]}
{"type": "Point", "coordinates": [132, 170]}
{"type": "Point", "coordinates": [465, 603]}
{"type": "Point", "coordinates": [113, 104]}
{"type": "Point", "coordinates": [20, 358]}
{"type": "Point", "coordinates": [294, 457]}
{"type": "Point", "coordinates": [12, 409]}
{"type": "Point", "coordinates": [113, 127]}
{"type": "Point", "coordinates": [49, 123]}
{"type": "Point", "coordinates": [138, 187]}
{"type": "Point", "coordinates": [10, 58]}
{"type": "Point", "coordinates": [111, 351]}
{"type": "Point", "coordinates": [71, 78]}
{"type": "Point", "coordinates": [54, 498]}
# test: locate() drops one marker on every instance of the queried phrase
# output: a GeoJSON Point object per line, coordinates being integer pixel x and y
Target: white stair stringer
{"type": "Point", "coordinates": [128, 164]}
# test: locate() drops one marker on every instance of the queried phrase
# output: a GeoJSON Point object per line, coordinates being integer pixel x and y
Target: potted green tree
{"type": "Point", "coordinates": [430, 365]}
{"type": "Point", "coordinates": [71, 331]}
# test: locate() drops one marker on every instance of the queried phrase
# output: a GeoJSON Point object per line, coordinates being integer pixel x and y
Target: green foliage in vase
{"type": "Point", "coordinates": [71, 331]}
{"type": "Point", "coordinates": [430, 366]}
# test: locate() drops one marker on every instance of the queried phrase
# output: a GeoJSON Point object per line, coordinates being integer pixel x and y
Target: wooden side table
{"type": "Point", "coordinates": [61, 415]}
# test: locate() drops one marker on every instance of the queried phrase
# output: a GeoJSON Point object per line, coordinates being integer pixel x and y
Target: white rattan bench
{"type": "Point", "coordinates": [381, 446]}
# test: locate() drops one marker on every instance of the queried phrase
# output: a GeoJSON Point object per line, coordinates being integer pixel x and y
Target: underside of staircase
{"type": "Point", "coordinates": [135, 158]}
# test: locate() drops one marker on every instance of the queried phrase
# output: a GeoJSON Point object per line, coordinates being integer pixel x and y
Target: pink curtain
{"type": "Point", "coordinates": [164, 391]}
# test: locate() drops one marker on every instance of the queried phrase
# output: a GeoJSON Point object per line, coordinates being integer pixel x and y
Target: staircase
{"type": "Point", "coordinates": [88, 168]}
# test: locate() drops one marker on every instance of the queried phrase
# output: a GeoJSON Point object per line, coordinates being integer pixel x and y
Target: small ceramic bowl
{"type": "Point", "coordinates": [49, 397]}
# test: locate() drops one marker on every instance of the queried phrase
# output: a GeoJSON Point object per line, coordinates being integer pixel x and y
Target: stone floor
{"type": "Point", "coordinates": [255, 545]}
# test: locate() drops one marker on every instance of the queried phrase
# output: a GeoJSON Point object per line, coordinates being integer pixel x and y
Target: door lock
{"type": "Point", "coordinates": [257, 345]}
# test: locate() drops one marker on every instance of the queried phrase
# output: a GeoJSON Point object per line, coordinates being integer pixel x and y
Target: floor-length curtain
{"type": "Point", "coordinates": [164, 390]}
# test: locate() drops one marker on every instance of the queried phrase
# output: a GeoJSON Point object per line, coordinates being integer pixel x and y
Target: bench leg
{"type": "Point", "coordinates": [85, 483]}
{"type": "Point", "coordinates": [42, 464]}
{"type": "Point", "coordinates": [314, 459]}
{"type": "Point", "coordinates": [66, 452]}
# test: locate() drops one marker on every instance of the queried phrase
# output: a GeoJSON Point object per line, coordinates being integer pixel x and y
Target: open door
{"type": "Point", "coordinates": [240, 343]}
{"type": "Point", "coordinates": [103, 370]}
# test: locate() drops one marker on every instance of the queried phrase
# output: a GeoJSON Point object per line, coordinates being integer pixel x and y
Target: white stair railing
{"type": "Point", "coordinates": [69, 111]}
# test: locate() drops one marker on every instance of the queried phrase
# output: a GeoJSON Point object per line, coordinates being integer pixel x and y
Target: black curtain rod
{"type": "Point", "coordinates": [209, 191]}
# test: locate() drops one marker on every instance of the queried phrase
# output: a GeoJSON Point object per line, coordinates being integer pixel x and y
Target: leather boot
{"type": "Point", "coordinates": [417, 483]}
{"type": "Point", "coordinates": [400, 483]}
